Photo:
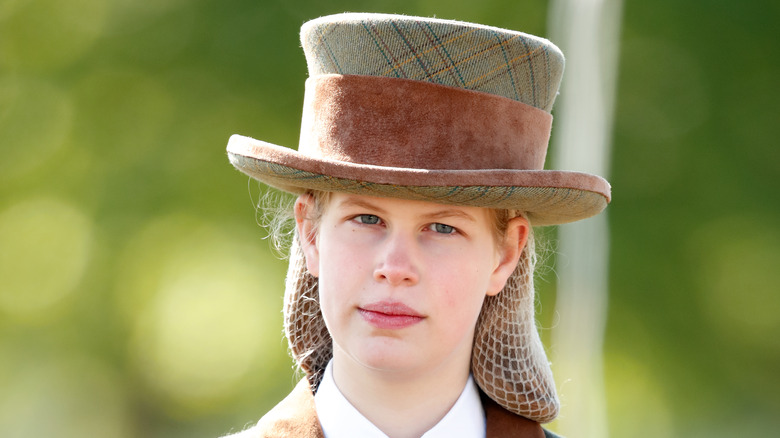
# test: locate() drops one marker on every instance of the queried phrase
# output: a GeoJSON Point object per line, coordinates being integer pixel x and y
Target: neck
{"type": "Point", "coordinates": [421, 398]}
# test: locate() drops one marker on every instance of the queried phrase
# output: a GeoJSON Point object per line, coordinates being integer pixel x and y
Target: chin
{"type": "Point", "coordinates": [386, 359]}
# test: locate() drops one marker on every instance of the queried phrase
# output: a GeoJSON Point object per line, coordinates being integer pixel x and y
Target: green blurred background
{"type": "Point", "coordinates": [139, 299]}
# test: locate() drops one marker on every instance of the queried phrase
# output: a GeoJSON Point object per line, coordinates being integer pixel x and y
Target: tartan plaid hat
{"type": "Point", "coordinates": [427, 109]}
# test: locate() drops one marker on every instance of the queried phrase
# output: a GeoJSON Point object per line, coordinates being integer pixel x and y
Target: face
{"type": "Point", "coordinates": [401, 283]}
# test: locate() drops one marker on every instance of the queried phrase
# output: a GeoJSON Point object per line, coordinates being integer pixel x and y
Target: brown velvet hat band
{"type": "Point", "coordinates": [391, 122]}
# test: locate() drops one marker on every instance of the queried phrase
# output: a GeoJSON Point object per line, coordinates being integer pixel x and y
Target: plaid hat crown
{"type": "Point", "coordinates": [514, 65]}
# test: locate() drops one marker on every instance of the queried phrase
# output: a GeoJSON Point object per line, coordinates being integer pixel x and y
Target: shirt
{"type": "Point", "coordinates": [339, 419]}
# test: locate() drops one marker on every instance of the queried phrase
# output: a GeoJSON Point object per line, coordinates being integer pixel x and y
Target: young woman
{"type": "Point", "coordinates": [409, 297]}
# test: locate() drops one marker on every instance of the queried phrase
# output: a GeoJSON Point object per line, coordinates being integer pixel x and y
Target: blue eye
{"type": "Point", "coordinates": [368, 219]}
{"type": "Point", "coordinates": [442, 228]}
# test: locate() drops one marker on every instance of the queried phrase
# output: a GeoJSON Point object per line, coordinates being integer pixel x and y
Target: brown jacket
{"type": "Point", "coordinates": [296, 417]}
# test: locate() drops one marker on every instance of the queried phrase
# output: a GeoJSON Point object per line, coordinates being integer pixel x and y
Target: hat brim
{"type": "Point", "coordinates": [548, 197]}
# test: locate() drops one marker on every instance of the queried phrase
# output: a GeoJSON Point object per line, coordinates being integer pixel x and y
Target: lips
{"type": "Point", "coordinates": [388, 315]}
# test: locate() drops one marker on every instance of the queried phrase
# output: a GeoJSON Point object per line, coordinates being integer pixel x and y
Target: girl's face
{"type": "Point", "coordinates": [401, 283]}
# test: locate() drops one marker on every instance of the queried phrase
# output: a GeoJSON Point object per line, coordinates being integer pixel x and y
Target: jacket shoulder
{"type": "Point", "coordinates": [295, 416]}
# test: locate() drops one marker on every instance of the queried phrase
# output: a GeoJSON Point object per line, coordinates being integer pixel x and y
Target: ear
{"type": "Point", "coordinates": [307, 232]}
{"type": "Point", "coordinates": [509, 252]}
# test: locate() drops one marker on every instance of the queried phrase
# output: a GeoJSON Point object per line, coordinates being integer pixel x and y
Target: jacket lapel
{"type": "Point", "coordinates": [503, 424]}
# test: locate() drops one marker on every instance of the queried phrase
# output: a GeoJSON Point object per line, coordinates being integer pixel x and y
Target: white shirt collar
{"type": "Point", "coordinates": [339, 419]}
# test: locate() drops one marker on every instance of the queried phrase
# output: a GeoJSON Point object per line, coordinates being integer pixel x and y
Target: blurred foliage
{"type": "Point", "coordinates": [138, 298]}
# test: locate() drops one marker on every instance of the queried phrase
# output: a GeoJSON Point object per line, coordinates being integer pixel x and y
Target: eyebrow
{"type": "Point", "coordinates": [438, 214]}
{"type": "Point", "coordinates": [354, 202]}
{"type": "Point", "coordinates": [450, 212]}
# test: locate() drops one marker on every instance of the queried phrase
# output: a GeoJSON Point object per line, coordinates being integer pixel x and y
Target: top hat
{"type": "Point", "coordinates": [427, 109]}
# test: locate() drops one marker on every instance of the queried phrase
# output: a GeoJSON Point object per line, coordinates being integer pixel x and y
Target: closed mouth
{"type": "Point", "coordinates": [390, 315]}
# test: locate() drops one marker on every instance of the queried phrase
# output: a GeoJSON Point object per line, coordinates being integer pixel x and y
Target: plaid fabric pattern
{"type": "Point", "coordinates": [512, 64]}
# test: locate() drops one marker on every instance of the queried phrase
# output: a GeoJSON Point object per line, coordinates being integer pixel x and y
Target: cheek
{"type": "Point", "coordinates": [464, 291]}
{"type": "Point", "coordinates": [460, 311]}
{"type": "Point", "coordinates": [341, 267]}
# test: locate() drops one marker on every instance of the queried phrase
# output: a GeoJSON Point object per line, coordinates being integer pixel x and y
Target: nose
{"type": "Point", "coordinates": [396, 263]}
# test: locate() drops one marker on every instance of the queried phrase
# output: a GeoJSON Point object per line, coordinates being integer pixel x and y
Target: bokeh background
{"type": "Point", "coordinates": [139, 299]}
